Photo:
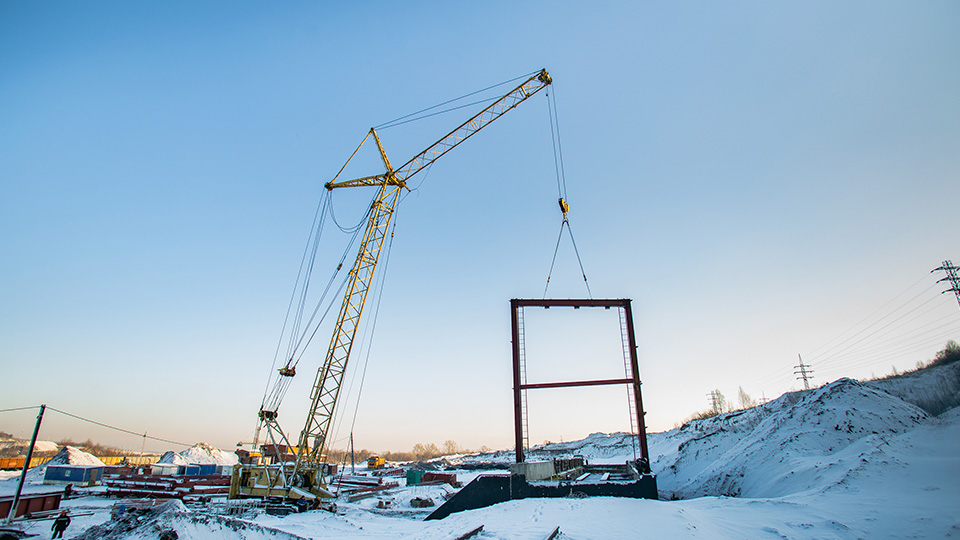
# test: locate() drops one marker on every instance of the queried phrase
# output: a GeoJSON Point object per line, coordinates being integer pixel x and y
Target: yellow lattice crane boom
{"type": "Point", "coordinates": [303, 478]}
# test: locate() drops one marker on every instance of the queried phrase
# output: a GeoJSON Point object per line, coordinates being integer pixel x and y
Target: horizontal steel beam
{"type": "Point", "coordinates": [570, 302]}
{"type": "Point", "coordinates": [568, 384]}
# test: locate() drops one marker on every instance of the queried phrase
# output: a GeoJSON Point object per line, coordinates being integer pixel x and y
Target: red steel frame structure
{"type": "Point", "coordinates": [519, 387]}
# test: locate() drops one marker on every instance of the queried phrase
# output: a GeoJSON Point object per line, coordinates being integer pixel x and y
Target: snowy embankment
{"type": "Point", "coordinates": [808, 441]}
{"type": "Point", "coordinates": [797, 443]}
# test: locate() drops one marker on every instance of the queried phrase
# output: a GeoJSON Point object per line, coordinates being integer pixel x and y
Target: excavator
{"type": "Point", "coordinates": [297, 470]}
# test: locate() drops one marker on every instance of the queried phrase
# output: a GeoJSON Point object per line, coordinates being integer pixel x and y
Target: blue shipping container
{"type": "Point", "coordinates": [78, 475]}
{"type": "Point", "coordinates": [206, 468]}
{"type": "Point", "coordinates": [190, 470]}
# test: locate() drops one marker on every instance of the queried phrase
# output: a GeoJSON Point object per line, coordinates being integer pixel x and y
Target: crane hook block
{"type": "Point", "coordinates": [564, 207]}
{"type": "Point", "coordinates": [288, 371]}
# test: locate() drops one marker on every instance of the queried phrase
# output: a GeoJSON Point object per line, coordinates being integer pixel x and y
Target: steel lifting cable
{"type": "Point", "coordinates": [347, 250]}
{"type": "Point", "coordinates": [316, 230]}
{"type": "Point", "coordinates": [283, 383]}
{"type": "Point", "coordinates": [562, 193]}
{"type": "Point", "coordinates": [308, 274]}
{"type": "Point", "coordinates": [293, 295]}
{"type": "Point", "coordinates": [404, 119]}
{"type": "Point", "coordinates": [557, 147]}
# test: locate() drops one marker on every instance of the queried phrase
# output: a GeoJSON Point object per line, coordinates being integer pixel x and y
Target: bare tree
{"type": "Point", "coordinates": [451, 447]}
{"type": "Point", "coordinates": [746, 402]}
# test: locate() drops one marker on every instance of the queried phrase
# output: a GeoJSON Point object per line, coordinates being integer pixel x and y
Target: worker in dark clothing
{"type": "Point", "coordinates": [60, 524]}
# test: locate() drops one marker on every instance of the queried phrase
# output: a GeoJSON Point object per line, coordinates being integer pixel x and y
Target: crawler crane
{"type": "Point", "coordinates": [301, 475]}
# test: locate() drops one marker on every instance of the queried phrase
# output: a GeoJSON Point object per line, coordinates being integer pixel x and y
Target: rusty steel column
{"type": "Point", "coordinates": [634, 366]}
{"type": "Point", "coordinates": [517, 396]}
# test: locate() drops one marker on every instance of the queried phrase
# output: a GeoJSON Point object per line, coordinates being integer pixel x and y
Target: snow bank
{"type": "Point", "coordinates": [201, 453]}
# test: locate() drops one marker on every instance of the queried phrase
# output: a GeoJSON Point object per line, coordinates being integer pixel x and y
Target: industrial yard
{"type": "Point", "coordinates": [807, 465]}
{"type": "Point", "coordinates": [244, 245]}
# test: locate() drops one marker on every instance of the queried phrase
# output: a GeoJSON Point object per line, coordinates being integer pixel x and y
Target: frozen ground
{"type": "Point", "coordinates": [848, 460]}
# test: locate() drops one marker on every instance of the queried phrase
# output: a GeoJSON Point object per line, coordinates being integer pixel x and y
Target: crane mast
{"type": "Point", "coordinates": [305, 478]}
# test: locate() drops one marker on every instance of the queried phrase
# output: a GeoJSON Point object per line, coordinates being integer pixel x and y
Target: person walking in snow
{"type": "Point", "coordinates": [60, 524]}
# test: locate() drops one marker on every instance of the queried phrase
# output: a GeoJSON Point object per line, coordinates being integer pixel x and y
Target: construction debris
{"type": "Point", "coordinates": [470, 534]}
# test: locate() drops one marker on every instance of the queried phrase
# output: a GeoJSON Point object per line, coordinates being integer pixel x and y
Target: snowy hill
{"type": "Point", "coordinates": [71, 455]}
{"type": "Point", "coordinates": [797, 443]}
{"type": "Point", "coordinates": [201, 453]}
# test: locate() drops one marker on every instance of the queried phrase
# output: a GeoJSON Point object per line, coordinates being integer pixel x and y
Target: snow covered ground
{"type": "Point", "coordinates": [848, 460]}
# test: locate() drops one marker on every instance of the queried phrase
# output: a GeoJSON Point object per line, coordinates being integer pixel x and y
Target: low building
{"type": "Point", "coordinates": [78, 475]}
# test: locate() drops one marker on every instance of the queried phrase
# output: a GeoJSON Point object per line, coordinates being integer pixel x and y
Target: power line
{"type": "Point", "coordinates": [19, 409]}
{"type": "Point", "coordinates": [825, 348]}
{"type": "Point", "coordinates": [814, 351]}
{"type": "Point", "coordinates": [831, 350]}
{"type": "Point", "coordinates": [101, 424]}
{"type": "Point", "coordinates": [875, 332]}
{"type": "Point", "coordinates": [909, 339]}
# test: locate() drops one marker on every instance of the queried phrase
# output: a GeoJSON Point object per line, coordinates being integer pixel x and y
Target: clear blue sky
{"type": "Point", "coordinates": [758, 177]}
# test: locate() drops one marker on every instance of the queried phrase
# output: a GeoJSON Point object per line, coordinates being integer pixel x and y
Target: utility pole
{"type": "Point", "coordinates": [716, 401]}
{"type": "Point", "coordinates": [952, 277]}
{"type": "Point", "coordinates": [803, 373]}
{"type": "Point", "coordinates": [26, 466]}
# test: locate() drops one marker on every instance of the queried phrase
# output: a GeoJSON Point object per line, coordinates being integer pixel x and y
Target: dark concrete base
{"type": "Point", "coordinates": [489, 490]}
